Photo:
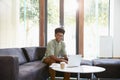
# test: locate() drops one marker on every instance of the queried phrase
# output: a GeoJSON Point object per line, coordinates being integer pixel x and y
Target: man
{"type": "Point", "coordinates": [55, 53]}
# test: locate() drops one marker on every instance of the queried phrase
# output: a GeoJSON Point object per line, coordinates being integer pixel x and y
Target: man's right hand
{"type": "Point", "coordinates": [58, 59]}
{"type": "Point", "coordinates": [63, 60]}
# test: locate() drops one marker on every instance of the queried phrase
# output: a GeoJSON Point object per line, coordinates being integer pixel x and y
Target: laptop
{"type": "Point", "coordinates": [74, 60]}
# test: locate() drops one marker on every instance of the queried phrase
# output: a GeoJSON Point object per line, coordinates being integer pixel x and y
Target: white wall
{"type": "Point", "coordinates": [116, 27]}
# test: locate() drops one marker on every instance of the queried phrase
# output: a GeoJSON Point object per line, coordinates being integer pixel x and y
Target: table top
{"type": "Point", "coordinates": [78, 69]}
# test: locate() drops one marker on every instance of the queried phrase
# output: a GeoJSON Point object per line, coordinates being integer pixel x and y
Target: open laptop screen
{"type": "Point", "coordinates": [74, 60]}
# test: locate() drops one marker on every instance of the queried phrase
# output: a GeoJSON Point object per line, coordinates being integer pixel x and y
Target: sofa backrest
{"type": "Point", "coordinates": [14, 52]}
{"type": "Point", "coordinates": [34, 53]}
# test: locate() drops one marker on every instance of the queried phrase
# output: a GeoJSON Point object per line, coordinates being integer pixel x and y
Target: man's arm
{"type": "Point", "coordinates": [65, 57]}
{"type": "Point", "coordinates": [59, 59]}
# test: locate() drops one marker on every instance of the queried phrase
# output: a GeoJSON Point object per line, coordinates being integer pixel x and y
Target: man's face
{"type": "Point", "coordinates": [59, 36]}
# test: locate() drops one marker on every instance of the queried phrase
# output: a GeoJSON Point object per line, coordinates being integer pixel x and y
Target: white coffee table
{"type": "Point", "coordinates": [79, 69]}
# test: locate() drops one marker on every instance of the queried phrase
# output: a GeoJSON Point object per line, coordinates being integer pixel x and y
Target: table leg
{"type": "Point", "coordinates": [93, 76]}
{"type": "Point", "coordinates": [78, 78]}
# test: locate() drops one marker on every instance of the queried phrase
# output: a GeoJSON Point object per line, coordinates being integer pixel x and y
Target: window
{"type": "Point", "coordinates": [68, 21]}
{"type": "Point", "coordinates": [96, 24]}
{"type": "Point", "coordinates": [52, 17]}
{"type": "Point", "coordinates": [19, 23]}
{"type": "Point", "coordinates": [70, 25]}
{"type": "Point", "coordinates": [28, 30]}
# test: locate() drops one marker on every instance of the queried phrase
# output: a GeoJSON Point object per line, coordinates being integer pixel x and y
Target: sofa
{"type": "Point", "coordinates": [26, 64]}
{"type": "Point", "coordinates": [112, 67]}
{"type": "Point", "coordinates": [23, 64]}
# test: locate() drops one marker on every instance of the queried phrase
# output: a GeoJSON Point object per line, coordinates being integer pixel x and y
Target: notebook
{"type": "Point", "coordinates": [74, 60]}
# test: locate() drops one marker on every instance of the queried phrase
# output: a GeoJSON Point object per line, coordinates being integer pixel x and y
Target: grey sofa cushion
{"type": "Point", "coordinates": [86, 62]}
{"type": "Point", "coordinates": [17, 52]}
{"type": "Point", "coordinates": [33, 71]}
{"type": "Point", "coordinates": [34, 53]}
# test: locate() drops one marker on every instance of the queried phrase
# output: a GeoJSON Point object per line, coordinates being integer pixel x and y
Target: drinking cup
{"type": "Point", "coordinates": [62, 65]}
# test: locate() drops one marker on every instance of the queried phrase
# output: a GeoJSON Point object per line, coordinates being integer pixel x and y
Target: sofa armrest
{"type": "Point", "coordinates": [9, 68]}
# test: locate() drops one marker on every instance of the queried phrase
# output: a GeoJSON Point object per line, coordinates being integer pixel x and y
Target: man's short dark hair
{"type": "Point", "coordinates": [61, 30]}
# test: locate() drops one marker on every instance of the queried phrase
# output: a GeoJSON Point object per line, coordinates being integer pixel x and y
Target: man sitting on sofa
{"type": "Point", "coordinates": [55, 49]}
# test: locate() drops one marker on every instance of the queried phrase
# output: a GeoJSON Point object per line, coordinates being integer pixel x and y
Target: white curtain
{"type": "Point", "coordinates": [8, 23]}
